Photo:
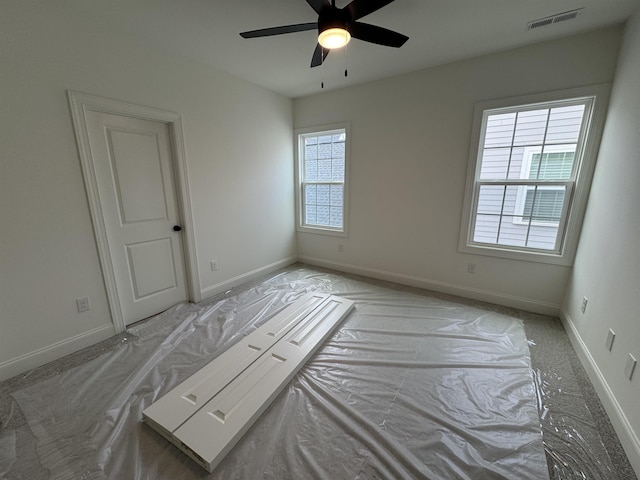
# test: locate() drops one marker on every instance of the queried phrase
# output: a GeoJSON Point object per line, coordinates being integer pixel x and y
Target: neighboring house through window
{"type": "Point", "coordinates": [321, 172]}
{"type": "Point", "coordinates": [529, 174]}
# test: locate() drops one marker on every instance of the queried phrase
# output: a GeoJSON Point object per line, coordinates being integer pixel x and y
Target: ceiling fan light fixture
{"type": "Point", "coordinates": [332, 38]}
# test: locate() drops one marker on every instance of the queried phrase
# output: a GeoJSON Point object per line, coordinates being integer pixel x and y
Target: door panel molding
{"type": "Point", "coordinates": [80, 104]}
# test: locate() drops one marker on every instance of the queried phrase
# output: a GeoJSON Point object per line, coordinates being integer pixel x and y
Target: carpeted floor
{"type": "Point", "coordinates": [579, 440]}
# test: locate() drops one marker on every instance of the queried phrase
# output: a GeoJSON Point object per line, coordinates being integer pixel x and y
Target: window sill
{"type": "Point", "coordinates": [537, 256]}
{"type": "Point", "coordinates": [321, 231]}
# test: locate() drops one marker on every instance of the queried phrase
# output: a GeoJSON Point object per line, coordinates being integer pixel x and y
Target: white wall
{"type": "Point", "coordinates": [409, 152]}
{"type": "Point", "coordinates": [239, 155]}
{"type": "Point", "coordinates": [607, 266]}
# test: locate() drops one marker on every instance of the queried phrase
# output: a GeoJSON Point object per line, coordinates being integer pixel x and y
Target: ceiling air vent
{"type": "Point", "coordinates": [558, 17]}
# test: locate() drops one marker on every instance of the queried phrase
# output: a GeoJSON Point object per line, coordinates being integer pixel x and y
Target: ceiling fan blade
{"type": "Point", "coordinates": [375, 34]}
{"type": "Point", "coordinates": [319, 54]}
{"type": "Point", "coordinates": [319, 5]}
{"type": "Point", "coordinates": [360, 8]}
{"type": "Point", "coordinates": [267, 32]}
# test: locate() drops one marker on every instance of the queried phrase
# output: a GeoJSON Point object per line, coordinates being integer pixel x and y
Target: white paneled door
{"type": "Point", "coordinates": [134, 173]}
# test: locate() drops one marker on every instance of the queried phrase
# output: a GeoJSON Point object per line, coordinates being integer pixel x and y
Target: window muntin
{"type": "Point", "coordinates": [322, 159]}
{"type": "Point", "coordinates": [525, 174]}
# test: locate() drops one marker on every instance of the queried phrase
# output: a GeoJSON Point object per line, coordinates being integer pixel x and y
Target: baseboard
{"type": "Point", "coordinates": [628, 438]}
{"type": "Point", "coordinates": [23, 363]}
{"type": "Point", "coordinates": [443, 287]}
{"type": "Point", "coordinates": [245, 277]}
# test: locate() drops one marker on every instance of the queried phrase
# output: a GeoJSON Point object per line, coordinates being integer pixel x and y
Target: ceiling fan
{"type": "Point", "coordinates": [336, 26]}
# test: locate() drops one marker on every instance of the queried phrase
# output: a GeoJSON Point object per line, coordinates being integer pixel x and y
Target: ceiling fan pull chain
{"type": "Point", "coordinates": [322, 68]}
{"type": "Point", "coordinates": [345, 60]}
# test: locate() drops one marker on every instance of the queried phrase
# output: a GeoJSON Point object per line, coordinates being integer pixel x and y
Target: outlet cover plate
{"type": "Point", "coordinates": [83, 304]}
{"type": "Point", "coordinates": [610, 338]}
{"type": "Point", "coordinates": [630, 367]}
{"type": "Point", "coordinates": [583, 307]}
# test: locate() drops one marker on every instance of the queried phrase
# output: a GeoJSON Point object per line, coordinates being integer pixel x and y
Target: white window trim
{"type": "Point", "coordinates": [299, 168]}
{"type": "Point", "coordinates": [582, 176]}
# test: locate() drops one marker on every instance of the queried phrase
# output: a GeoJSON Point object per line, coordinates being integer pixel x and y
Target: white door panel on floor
{"type": "Point", "coordinates": [133, 165]}
{"type": "Point", "coordinates": [175, 408]}
{"type": "Point", "coordinates": [214, 429]}
{"type": "Point", "coordinates": [209, 412]}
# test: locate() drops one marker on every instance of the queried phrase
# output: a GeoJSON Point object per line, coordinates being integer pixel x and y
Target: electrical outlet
{"type": "Point", "coordinates": [610, 338]}
{"type": "Point", "coordinates": [214, 265]}
{"type": "Point", "coordinates": [340, 247]}
{"type": "Point", "coordinates": [630, 366]}
{"type": "Point", "coordinates": [471, 267]}
{"type": "Point", "coordinates": [583, 307]}
{"type": "Point", "coordinates": [83, 304]}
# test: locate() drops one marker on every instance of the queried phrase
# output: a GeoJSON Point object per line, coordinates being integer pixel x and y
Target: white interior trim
{"type": "Point", "coordinates": [628, 438]}
{"type": "Point", "coordinates": [527, 304]}
{"type": "Point", "coordinates": [79, 104]}
{"type": "Point", "coordinates": [36, 358]}
{"type": "Point", "coordinates": [245, 277]}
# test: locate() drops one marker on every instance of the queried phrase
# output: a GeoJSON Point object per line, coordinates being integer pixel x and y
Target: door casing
{"type": "Point", "coordinates": [79, 104]}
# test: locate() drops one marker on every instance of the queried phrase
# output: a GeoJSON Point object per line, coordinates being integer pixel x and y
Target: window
{"type": "Point", "coordinates": [321, 171]}
{"type": "Point", "coordinates": [529, 173]}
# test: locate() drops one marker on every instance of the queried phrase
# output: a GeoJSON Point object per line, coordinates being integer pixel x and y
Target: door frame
{"type": "Point", "coordinates": [79, 104]}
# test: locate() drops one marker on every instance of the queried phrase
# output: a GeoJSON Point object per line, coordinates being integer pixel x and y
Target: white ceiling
{"type": "Point", "coordinates": [439, 31]}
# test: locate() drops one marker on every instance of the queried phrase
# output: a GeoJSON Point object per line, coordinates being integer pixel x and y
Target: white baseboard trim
{"type": "Point", "coordinates": [628, 438]}
{"type": "Point", "coordinates": [23, 363]}
{"type": "Point", "coordinates": [443, 287]}
{"type": "Point", "coordinates": [245, 277]}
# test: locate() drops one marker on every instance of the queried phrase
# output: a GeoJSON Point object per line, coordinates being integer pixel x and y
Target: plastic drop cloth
{"type": "Point", "coordinates": [407, 387]}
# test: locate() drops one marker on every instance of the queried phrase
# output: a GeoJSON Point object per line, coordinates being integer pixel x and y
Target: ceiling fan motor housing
{"type": "Point", "coordinates": [333, 18]}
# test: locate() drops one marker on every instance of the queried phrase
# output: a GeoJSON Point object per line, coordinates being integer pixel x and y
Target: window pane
{"type": "Point", "coordinates": [543, 237]}
{"type": "Point", "coordinates": [548, 205]}
{"type": "Point", "coordinates": [310, 151]}
{"type": "Point", "coordinates": [510, 200]}
{"type": "Point", "coordinates": [324, 195]}
{"type": "Point", "coordinates": [337, 170]}
{"type": "Point", "coordinates": [490, 199]}
{"type": "Point", "coordinates": [530, 127]}
{"type": "Point", "coordinates": [324, 170]}
{"type": "Point", "coordinates": [564, 124]}
{"type": "Point", "coordinates": [310, 194]}
{"type": "Point", "coordinates": [337, 149]}
{"type": "Point", "coordinates": [495, 162]}
{"type": "Point", "coordinates": [337, 195]}
{"type": "Point", "coordinates": [499, 132]}
{"type": "Point", "coordinates": [323, 216]}
{"type": "Point", "coordinates": [324, 146]}
{"type": "Point", "coordinates": [310, 170]}
{"type": "Point", "coordinates": [511, 233]}
{"type": "Point", "coordinates": [336, 217]}
{"type": "Point", "coordinates": [310, 217]}
{"type": "Point", "coordinates": [486, 229]}
{"type": "Point", "coordinates": [554, 166]}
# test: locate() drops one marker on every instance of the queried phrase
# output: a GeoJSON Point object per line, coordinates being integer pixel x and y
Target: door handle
{"type": "Point", "coordinates": [177, 228]}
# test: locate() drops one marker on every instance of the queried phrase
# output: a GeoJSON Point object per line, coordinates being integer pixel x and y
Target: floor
{"type": "Point", "coordinates": [578, 437]}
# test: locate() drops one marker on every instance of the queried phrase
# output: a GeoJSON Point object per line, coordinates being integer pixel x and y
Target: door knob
{"type": "Point", "coordinates": [177, 228]}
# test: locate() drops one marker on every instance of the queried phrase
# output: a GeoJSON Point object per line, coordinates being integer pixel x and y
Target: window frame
{"type": "Point", "coordinates": [299, 135]}
{"type": "Point", "coordinates": [577, 187]}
